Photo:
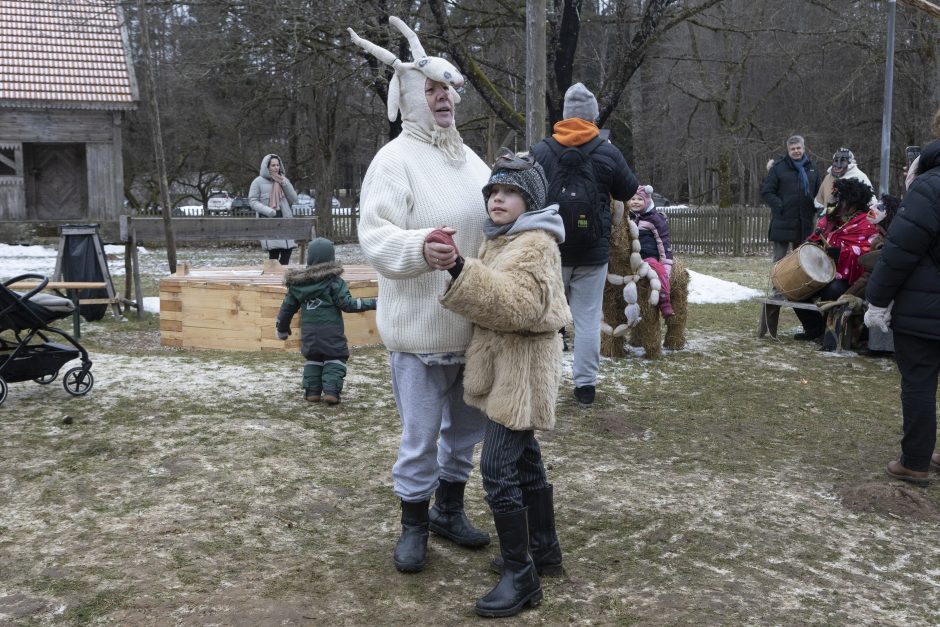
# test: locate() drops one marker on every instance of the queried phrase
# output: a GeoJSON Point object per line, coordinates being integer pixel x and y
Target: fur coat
{"type": "Point", "coordinates": [515, 297]}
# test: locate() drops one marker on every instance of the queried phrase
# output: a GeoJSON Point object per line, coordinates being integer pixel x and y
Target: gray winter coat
{"type": "Point", "coordinates": [260, 194]}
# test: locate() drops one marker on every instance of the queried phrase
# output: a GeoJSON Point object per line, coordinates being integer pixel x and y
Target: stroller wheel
{"type": "Point", "coordinates": [3, 390]}
{"type": "Point", "coordinates": [78, 382]}
{"type": "Point", "coordinates": [47, 378]}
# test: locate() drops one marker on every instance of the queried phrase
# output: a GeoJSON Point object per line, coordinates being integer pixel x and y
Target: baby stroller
{"type": "Point", "coordinates": [32, 355]}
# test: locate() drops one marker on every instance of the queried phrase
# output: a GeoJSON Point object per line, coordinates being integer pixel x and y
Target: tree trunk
{"type": "Point", "coordinates": [159, 157]}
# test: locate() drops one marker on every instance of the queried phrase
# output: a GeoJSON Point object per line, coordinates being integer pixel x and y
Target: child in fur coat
{"type": "Point", "coordinates": [655, 247]}
{"type": "Point", "coordinates": [322, 295]}
{"type": "Point", "coordinates": [514, 295]}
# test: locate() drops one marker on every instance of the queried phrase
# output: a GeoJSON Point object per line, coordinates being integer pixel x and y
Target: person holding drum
{"type": "Point", "coordinates": [845, 234]}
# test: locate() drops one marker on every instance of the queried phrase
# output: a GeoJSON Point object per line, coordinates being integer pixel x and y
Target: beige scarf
{"type": "Point", "coordinates": [277, 193]}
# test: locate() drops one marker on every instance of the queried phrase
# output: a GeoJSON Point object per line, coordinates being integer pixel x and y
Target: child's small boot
{"type": "Point", "coordinates": [334, 373]}
{"type": "Point", "coordinates": [519, 584]}
{"type": "Point", "coordinates": [665, 302]}
{"type": "Point", "coordinates": [313, 380]}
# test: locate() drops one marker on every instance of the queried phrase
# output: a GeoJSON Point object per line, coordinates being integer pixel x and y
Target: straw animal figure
{"type": "Point", "coordinates": [631, 297]}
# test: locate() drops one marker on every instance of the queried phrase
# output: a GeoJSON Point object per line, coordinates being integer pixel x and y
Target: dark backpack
{"type": "Point", "coordinates": [573, 186]}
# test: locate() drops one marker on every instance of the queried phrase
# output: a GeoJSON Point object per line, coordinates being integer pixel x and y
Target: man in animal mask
{"type": "Point", "coordinates": [425, 180]}
{"type": "Point", "coordinates": [843, 166]}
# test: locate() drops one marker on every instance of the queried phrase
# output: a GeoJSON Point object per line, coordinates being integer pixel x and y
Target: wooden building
{"type": "Point", "coordinates": [66, 82]}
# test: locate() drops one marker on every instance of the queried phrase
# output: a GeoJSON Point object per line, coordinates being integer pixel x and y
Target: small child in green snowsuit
{"type": "Point", "coordinates": [322, 296]}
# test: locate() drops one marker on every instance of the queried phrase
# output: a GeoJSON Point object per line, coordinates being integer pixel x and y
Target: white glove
{"type": "Point", "coordinates": [878, 316]}
{"type": "Point", "coordinates": [282, 335]}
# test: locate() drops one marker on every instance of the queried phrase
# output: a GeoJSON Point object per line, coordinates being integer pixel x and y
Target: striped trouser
{"type": "Point", "coordinates": [322, 373]}
{"type": "Point", "coordinates": [510, 462]}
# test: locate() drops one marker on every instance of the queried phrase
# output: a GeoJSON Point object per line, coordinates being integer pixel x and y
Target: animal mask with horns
{"type": "Point", "coordinates": [406, 88]}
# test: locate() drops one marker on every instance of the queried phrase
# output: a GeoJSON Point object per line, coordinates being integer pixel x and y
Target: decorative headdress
{"type": "Point", "coordinates": [406, 89]}
{"type": "Point", "coordinates": [435, 68]}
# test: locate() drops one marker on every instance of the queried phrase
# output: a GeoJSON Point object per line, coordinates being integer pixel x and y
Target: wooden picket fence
{"type": "Point", "coordinates": [703, 230]}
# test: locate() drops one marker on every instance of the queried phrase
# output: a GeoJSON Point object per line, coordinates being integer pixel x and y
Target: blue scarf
{"type": "Point", "coordinates": [801, 168]}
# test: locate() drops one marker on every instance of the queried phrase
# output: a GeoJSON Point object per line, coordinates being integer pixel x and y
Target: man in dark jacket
{"type": "Point", "coordinates": [904, 291]}
{"type": "Point", "coordinates": [789, 190]}
{"type": "Point", "coordinates": [584, 259]}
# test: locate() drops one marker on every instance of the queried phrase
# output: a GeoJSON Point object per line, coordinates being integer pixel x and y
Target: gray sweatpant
{"type": "Point", "coordinates": [584, 287]}
{"type": "Point", "coordinates": [438, 430]}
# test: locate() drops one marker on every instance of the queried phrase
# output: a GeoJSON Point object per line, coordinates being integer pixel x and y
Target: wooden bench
{"type": "Point", "coordinates": [135, 230]}
{"type": "Point", "coordinates": [770, 314]}
{"type": "Point", "coordinates": [770, 310]}
{"type": "Point", "coordinates": [71, 289]}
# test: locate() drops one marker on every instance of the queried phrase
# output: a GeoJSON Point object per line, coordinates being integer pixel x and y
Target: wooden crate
{"type": "Point", "coordinates": [235, 308]}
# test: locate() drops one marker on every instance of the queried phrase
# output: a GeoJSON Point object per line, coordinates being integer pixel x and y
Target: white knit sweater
{"type": "Point", "coordinates": [410, 189]}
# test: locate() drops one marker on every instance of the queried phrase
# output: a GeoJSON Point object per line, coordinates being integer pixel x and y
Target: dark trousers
{"type": "Point", "coordinates": [814, 323]}
{"type": "Point", "coordinates": [281, 254]}
{"type": "Point", "coordinates": [323, 373]}
{"type": "Point", "coordinates": [919, 364]}
{"type": "Point", "coordinates": [510, 462]}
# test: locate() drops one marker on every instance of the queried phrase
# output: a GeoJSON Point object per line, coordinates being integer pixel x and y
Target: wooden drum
{"type": "Point", "coordinates": [803, 272]}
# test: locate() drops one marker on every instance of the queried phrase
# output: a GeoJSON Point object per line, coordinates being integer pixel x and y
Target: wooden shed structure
{"type": "Point", "coordinates": [66, 81]}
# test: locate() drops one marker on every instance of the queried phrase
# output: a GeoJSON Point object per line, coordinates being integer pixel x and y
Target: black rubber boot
{"type": "Point", "coordinates": [543, 540]}
{"type": "Point", "coordinates": [449, 520]}
{"type": "Point", "coordinates": [519, 584]}
{"type": "Point", "coordinates": [411, 552]}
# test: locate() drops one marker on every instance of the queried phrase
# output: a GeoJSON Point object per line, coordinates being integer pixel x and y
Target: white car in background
{"type": "Point", "coordinates": [219, 204]}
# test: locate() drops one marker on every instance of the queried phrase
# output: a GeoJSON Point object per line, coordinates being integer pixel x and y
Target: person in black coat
{"type": "Point", "coordinates": [904, 291]}
{"type": "Point", "coordinates": [584, 260]}
{"type": "Point", "coordinates": [789, 190]}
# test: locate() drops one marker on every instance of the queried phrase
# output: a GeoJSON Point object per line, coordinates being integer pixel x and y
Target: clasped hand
{"type": "Point", "coordinates": [440, 250]}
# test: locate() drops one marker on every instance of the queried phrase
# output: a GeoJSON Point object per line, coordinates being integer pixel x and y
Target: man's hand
{"type": "Point", "coordinates": [282, 335]}
{"type": "Point", "coordinates": [878, 316]}
{"type": "Point", "coordinates": [440, 251]}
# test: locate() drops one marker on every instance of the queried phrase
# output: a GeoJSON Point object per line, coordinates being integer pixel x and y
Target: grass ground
{"type": "Point", "coordinates": [737, 481]}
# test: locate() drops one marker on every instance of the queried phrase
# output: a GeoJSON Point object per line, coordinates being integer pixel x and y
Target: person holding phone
{"type": "Point", "coordinates": [271, 195]}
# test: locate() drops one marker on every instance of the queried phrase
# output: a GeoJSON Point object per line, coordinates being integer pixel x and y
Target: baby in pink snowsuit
{"type": "Point", "coordinates": [655, 248]}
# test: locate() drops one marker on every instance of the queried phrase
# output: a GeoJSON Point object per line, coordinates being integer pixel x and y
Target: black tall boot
{"type": "Point", "coordinates": [543, 540]}
{"type": "Point", "coordinates": [449, 520]}
{"type": "Point", "coordinates": [519, 584]}
{"type": "Point", "coordinates": [411, 552]}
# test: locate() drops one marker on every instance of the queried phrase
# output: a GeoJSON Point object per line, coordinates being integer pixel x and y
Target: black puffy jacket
{"type": "Point", "coordinates": [909, 269]}
{"type": "Point", "coordinates": [793, 213]}
{"type": "Point", "coordinates": [614, 179]}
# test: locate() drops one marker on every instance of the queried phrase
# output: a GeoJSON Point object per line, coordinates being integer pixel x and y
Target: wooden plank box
{"type": "Point", "coordinates": [235, 308]}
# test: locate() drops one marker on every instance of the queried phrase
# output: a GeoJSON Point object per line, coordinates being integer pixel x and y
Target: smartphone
{"type": "Point", "coordinates": [911, 153]}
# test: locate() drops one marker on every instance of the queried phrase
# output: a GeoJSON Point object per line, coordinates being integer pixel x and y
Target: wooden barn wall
{"type": "Point", "coordinates": [100, 131]}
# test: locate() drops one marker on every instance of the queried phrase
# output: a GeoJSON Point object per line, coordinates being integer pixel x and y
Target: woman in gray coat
{"type": "Point", "coordinates": [271, 195]}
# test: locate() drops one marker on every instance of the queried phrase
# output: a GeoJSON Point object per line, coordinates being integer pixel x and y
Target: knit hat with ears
{"type": "Point", "coordinates": [646, 193]}
{"type": "Point", "coordinates": [580, 103]}
{"type": "Point", "coordinates": [522, 172]}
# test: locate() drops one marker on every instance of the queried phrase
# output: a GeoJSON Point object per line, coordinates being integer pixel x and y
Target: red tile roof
{"type": "Point", "coordinates": [64, 53]}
